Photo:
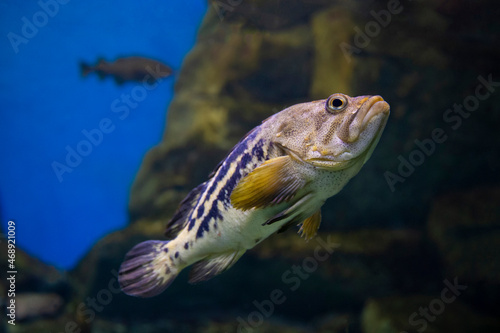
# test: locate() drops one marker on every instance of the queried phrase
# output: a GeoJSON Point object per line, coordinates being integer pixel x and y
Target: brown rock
{"type": "Point", "coordinates": [402, 314]}
{"type": "Point", "coordinates": [333, 70]}
{"type": "Point", "coordinates": [466, 228]}
{"type": "Point", "coordinates": [36, 305]}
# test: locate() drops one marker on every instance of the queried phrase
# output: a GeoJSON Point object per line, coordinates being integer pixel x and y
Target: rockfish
{"type": "Point", "coordinates": [277, 176]}
{"type": "Point", "coordinates": [129, 69]}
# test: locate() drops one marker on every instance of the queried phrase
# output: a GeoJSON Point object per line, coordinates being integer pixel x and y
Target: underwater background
{"type": "Point", "coordinates": [46, 104]}
{"type": "Point", "coordinates": [418, 229]}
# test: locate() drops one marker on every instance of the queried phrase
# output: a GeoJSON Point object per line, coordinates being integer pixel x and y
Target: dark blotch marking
{"type": "Point", "coordinates": [201, 209]}
{"type": "Point", "coordinates": [257, 150]}
{"type": "Point", "coordinates": [203, 227]}
{"type": "Point", "coordinates": [257, 240]}
{"type": "Point", "coordinates": [237, 151]}
{"type": "Point", "coordinates": [165, 250]}
{"type": "Point", "coordinates": [186, 246]}
{"type": "Point", "coordinates": [213, 213]}
{"type": "Point", "coordinates": [225, 193]}
{"type": "Point", "coordinates": [191, 222]}
{"type": "Point", "coordinates": [176, 254]}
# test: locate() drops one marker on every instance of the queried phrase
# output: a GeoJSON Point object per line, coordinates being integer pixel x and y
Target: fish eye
{"type": "Point", "coordinates": [336, 103]}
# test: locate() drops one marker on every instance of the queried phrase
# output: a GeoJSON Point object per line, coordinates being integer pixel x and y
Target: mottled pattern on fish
{"type": "Point", "coordinates": [246, 156]}
{"type": "Point", "coordinates": [277, 176]}
{"type": "Point", "coordinates": [215, 193]}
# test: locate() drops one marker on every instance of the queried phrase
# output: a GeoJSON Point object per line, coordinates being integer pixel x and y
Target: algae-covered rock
{"type": "Point", "coordinates": [423, 314]}
{"type": "Point", "coordinates": [465, 227]}
{"type": "Point", "coordinates": [267, 14]}
{"type": "Point", "coordinates": [57, 325]}
{"type": "Point", "coordinates": [332, 70]}
{"type": "Point", "coordinates": [221, 325]}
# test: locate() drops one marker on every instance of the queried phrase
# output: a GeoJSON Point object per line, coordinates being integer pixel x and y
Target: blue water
{"type": "Point", "coordinates": [45, 105]}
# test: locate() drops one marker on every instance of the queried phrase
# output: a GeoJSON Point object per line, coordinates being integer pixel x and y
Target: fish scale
{"type": "Point", "coordinates": [279, 175]}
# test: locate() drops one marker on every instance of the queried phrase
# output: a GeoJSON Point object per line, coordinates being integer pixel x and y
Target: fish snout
{"type": "Point", "coordinates": [373, 109]}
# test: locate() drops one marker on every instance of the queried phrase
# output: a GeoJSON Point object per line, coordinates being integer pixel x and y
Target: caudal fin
{"type": "Point", "coordinates": [147, 269]}
{"type": "Point", "coordinates": [85, 69]}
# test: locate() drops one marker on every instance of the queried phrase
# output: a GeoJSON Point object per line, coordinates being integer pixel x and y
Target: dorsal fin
{"type": "Point", "coordinates": [231, 151]}
{"type": "Point", "coordinates": [180, 218]}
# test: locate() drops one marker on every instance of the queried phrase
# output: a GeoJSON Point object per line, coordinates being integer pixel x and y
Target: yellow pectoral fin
{"type": "Point", "coordinates": [310, 225]}
{"type": "Point", "coordinates": [271, 183]}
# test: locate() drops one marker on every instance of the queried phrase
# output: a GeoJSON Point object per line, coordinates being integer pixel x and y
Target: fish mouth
{"type": "Point", "coordinates": [354, 125]}
{"type": "Point", "coordinates": [326, 163]}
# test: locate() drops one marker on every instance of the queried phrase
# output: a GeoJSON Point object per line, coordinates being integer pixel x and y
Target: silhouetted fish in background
{"type": "Point", "coordinates": [129, 69]}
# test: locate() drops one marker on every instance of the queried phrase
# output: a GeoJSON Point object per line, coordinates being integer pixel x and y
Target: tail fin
{"type": "Point", "coordinates": [85, 69]}
{"type": "Point", "coordinates": [147, 269]}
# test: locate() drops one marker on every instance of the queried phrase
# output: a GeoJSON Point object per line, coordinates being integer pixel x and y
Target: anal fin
{"type": "Point", "coordinates": [310, 225]}
{"type": "Point", "coordinates": [211, 266]}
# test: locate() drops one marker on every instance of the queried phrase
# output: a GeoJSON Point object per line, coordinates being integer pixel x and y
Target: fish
{"type": "Point", "coordinates": [128, 69]}
{"type": "Point", "coordinates": [279, 175]}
